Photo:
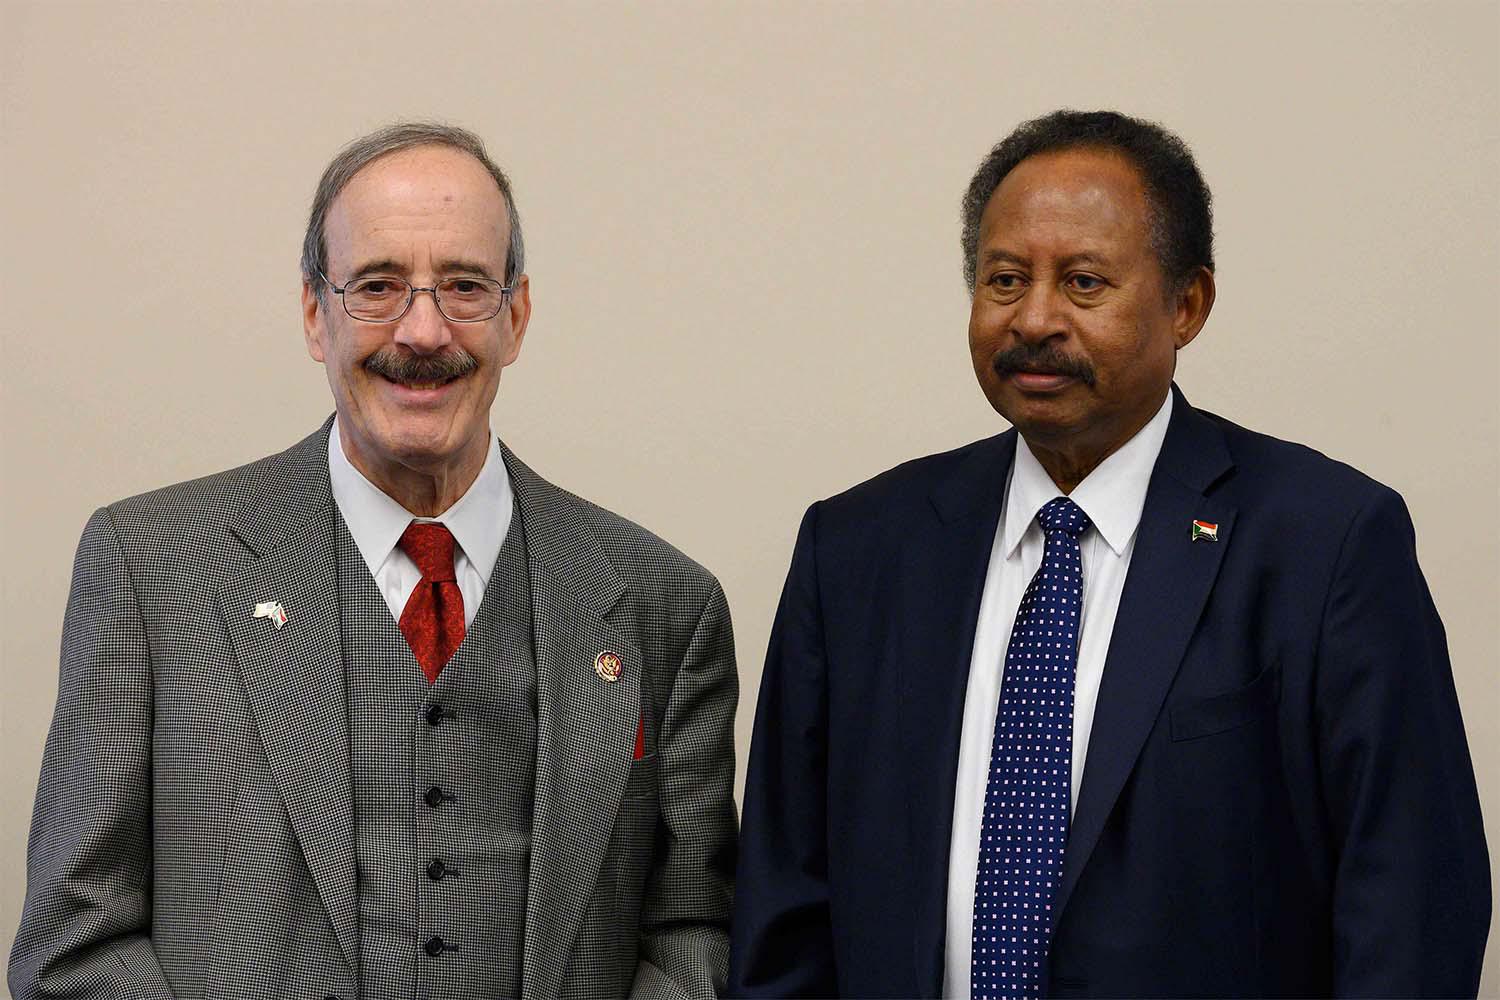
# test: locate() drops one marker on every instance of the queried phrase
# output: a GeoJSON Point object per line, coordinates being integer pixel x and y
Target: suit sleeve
{"type": "Point", "coordinates": [782, 942]}
{"type": "Point", "coordinates": [1411, 893]}
{"type": "Point", "coordinates": [685, 911]}
{"type": "Point", "coordinates": [85, 925]}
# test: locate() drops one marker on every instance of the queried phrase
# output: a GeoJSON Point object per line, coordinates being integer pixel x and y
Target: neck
{"type": "Point", "coordinates": [427, 495]}
{"type": "Point", "coordinates": [425, 491]}
{"type": "Point", "coordinates": [1067, 468]}
{"type": "Point", "coordinates": [1069, 460]}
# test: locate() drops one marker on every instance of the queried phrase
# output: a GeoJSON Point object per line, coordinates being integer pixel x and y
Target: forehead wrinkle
{"type": "Point", "coordinates": [404, 241]}
{"type": "Point", "coordinates": [1059, 220]}
{"type": "Point", "coordinates": [419, 205]}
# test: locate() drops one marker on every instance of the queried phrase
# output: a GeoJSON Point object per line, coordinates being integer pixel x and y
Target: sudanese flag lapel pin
{"type": "Point", "coordinates": [1205, 531]}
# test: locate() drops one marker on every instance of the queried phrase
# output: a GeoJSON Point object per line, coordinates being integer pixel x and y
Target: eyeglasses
{"type": "Point", "coordinates": [384, 299]}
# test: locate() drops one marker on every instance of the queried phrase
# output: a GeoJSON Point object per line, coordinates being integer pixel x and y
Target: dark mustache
{"type": "Point", "coordinates": [399, 366]}
{"type": "Point", "coordinates": [1042, 359]}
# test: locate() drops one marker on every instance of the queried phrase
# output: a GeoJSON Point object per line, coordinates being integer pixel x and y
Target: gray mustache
{"type": "Point", "coordinates": [405, 368]}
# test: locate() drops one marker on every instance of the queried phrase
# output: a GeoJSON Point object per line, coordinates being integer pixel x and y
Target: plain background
{"type": "Point", "coordinates": [743, 243]}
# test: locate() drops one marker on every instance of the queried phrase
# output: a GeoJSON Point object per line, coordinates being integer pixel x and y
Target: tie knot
{"type": "Point", "coordinates": [430, 546]}
{"type": "Point", "coordinates": [1062, 514]}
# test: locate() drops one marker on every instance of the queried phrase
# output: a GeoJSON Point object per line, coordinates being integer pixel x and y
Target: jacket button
{"type": "Point", "coordinates": [435, 715]}
{"type": "Point", "coordinates": [434, 796]}
{"type": "Point", "coordinates": [433, 947]}
{"type": "Point", "coordinates": [436, 870]}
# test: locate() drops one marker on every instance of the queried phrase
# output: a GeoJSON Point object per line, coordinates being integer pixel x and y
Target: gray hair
{"type": "Point", "coordinates": [392, 139]}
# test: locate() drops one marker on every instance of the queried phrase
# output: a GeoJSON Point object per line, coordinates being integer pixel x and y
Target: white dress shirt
{"type": "Point", "coordinates": [1113, 496]}
{"type": "Point", "coordinates": [478, 521]}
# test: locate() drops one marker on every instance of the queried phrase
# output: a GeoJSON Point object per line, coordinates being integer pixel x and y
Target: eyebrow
{"type": "Point", "coordinates": [1007, 257]}
{"type": "Point", "coordinates": [1001, 257]}
{"type": "Point", "coordinates": [1086, 257]}
{"type": "Point", "coordinates": [388, 265]}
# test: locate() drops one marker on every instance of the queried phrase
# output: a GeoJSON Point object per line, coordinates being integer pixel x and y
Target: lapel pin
{"type": "Point", "coordinates": [272, 610]}
{"type": "Point", "coordinates": [1205, 531]}
{"type": "Point", "coordinates": [608, 666]}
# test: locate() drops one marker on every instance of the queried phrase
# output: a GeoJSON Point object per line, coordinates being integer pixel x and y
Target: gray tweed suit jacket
{"type": "Point", "coordinates": [194, 824]}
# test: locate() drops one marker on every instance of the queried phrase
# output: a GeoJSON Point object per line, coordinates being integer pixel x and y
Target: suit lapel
{"type": "Point", "coordinates": [585, 727]}
{"type": "Point", "coordinates": [1165, 592]}
{"type": "Point", "coordinates": [294, 674]}
{"type": "Point", "coordinates": [941, 582]}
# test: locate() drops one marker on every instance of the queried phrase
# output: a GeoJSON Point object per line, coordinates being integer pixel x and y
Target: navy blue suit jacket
{"type": "Point", "coordinates": [1277, 799]}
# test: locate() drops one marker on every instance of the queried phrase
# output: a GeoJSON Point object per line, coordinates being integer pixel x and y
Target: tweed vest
{"type": "Point", "coordinates": [443, 783]}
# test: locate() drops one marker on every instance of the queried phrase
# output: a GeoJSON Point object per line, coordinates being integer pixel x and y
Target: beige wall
{"type": "Point", "coordinates": [743, 249]}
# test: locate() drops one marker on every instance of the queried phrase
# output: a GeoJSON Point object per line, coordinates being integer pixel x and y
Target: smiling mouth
{"type": "Point", "coordinates": [405, 384]}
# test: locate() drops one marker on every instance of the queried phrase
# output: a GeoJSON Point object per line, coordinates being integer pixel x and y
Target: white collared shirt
{"type": "Point", "coordinates": [478, 521]}
{"type": "Point", "coordinates": [1113, 496]}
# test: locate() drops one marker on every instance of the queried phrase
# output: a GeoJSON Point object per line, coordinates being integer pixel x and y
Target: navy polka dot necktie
{"type": "Point", "coordinates": [1025, 827]}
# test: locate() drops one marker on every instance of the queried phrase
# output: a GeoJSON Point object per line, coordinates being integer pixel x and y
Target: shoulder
{"type": "Point", "coordinates": [1297, 506]}
{"type": "Point", "coordinates": [575, 530]}
{"type": "Point", "coordinates": [641, 557]}
{"type": "Point", "coordinates": [956, 477]}
{"type": "Point", "coordinates": [1285, 474]}
{"type": "Point", "coordinates": [199, 514]}
{"type": "Point", "coordinates": [220, 491]}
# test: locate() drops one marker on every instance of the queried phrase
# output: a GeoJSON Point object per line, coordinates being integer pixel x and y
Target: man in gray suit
{"type": "Point", "coordinates": [387, 714]}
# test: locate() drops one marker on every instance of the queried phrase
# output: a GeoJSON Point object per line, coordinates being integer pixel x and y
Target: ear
{"type": "Point", "coordinates": [313, 320]}
{"type": "Point", "coordinates": [519, 309]}
{"type": "Point", "coordinates": [1194, 303]}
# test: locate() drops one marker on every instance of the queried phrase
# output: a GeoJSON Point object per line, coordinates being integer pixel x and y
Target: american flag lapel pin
{"type": "Point", "coordinates": [1205, 531]}
{"type": "Point", "coordinates": [272, 610]}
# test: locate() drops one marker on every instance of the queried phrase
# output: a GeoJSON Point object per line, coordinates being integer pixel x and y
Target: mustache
{"type": "Point", "coordinates": [400, 366]}
{"type": "Point", "coordinates": [1042, 359]}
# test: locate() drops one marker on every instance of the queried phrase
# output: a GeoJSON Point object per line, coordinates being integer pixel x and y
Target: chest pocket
{"type": "Point", "coordinates": [1221, 712]}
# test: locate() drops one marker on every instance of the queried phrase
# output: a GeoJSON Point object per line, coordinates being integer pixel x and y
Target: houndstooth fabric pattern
{"type": "Point", "coordinates": [1025, 827]}
{"type": "Point", "coordinates": [193, 833]}
{"type": "Point", "coordinates": [472, 734]}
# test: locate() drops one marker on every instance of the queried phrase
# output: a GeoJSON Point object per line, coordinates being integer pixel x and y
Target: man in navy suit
{"type": "Point", "coordinates": [1243, 770]}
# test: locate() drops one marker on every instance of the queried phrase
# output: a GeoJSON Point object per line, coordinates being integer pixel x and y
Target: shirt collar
{"type": "Point", "coordinates": [479, 520]}
{"type": "Point", "coordinates": [1112, 496]}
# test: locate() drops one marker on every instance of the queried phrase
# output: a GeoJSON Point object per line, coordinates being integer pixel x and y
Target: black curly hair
{"type": "Point", "coordinates": [1182, 227]}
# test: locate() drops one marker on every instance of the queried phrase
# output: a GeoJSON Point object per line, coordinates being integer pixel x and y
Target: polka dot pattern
{"type": "Point", "coordinates": [1025, 827]}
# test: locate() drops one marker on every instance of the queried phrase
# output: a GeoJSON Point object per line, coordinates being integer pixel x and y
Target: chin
{"type": "Point", "coordinates": [417, 447]}
{"type": "Point", "coordinates": [1038, 421]}
{"type": "Point", "coordinates": [425, 455]}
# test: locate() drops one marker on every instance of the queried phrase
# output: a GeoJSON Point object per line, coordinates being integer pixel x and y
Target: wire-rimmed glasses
{"type": "Point", "coordinates": [384, 299]}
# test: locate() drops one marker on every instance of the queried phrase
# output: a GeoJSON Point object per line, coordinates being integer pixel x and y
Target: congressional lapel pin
{"type": "Point", "coordinates": [1205, 531]}
{"type": "Point", "coordinates": [272, 610]}
{"type": "Point", "coordinates": [608, 666]}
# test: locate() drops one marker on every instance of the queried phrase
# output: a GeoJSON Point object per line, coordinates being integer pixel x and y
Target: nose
{"type": "Point", "coordinates": [423, 328]}
{"type": "Point", "coordinates": [1039, 314]}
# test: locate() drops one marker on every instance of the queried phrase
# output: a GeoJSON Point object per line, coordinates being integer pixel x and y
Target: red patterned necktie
{"type": "Point", "coordinates": [433, 620]}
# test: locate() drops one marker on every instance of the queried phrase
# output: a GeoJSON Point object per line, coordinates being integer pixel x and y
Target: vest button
{"type": "Point", "coordinates": [433, 947]}
{"type": "Point", "coordinates": [436, 870]}
{"type": "Point", "coordinates": [434, 796]}
{"type": "Point", "coordinates": [435, 715]}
